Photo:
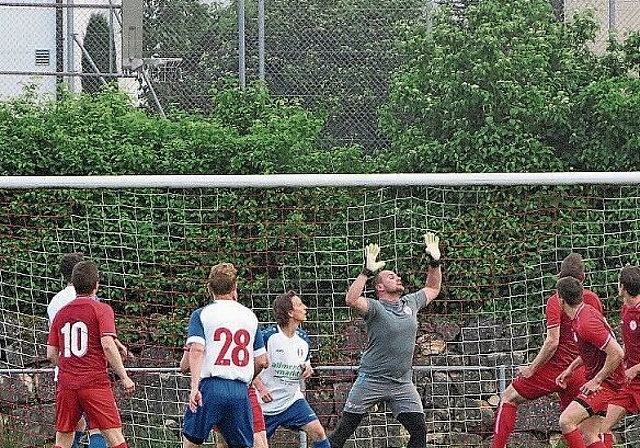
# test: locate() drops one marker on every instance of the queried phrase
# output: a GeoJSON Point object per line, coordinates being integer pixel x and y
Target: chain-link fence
{"type": "Point", "coordinates": [336, 57]}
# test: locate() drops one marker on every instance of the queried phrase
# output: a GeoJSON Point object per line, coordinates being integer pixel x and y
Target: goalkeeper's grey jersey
{"type": "Point", "coordinates": [392, 330]}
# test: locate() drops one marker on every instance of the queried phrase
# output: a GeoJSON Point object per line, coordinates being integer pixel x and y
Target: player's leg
{"type": "Point", "coordinates": [101, 412]}
{"type": "Point", "coordinates": [591, 429]}
{"type": "Point", "coordinates": [300, 416]}
{"type": "Point", "coordinates": [115, 437]}
{"type": "Point", "coordinates": [68, 412]}
{"type": "Point", "coordinates": [259, 425]}
{"type": "Point", "coordinates": [260, 439]}
{"type": "Point", "coordinates": [506, 416]}
{"type": "Point", "coordinates": [96, 439]}
{"type": "Point", "coordinates": [64, 439]}
{"type": "Point", "coordinates": [80, 429]}
{"type": "Point", "coordinates": [345, 428]}
{"type": "Point", "coordinates": [196, 426]}
{"type": "Point", "coordinates": [615, 413]}
{"type": "Point", "coordinates": [570, 419]}
{"type": "Point", "coordinates": [416, 427]}
{"type": "Point", "coordinates": [362, 396]}
{"type": "Point", "coordinates": [220, 442]}
{"type": "Point", "coordinates": [236, 424]}
{"type": "Point", "coordinates": [406, 405]}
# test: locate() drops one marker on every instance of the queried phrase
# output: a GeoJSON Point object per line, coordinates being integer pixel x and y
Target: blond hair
{"type": "Point", "coordinates": [223, 279]}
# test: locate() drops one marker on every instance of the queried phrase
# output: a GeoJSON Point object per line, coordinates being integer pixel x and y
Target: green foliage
{"type": "Point", "coordinates": [507, 89]}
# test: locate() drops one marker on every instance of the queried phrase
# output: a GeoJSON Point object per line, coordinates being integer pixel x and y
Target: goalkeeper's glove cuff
{"type": "Point", "coordinates": [433, 263]}
{"type": "Point", "coordinates": [367, 272]}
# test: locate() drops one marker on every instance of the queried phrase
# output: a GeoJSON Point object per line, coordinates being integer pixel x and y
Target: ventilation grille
{"type": "Point", "coordinates": [43, 57]}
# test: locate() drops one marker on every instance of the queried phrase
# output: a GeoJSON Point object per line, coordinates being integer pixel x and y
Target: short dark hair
{"type": "Point", "coordinates": [570, 290]}
{"type": "Point", "coordinates": [630, 279]}
{"type": "Point", "coordinates": [282, 305]}
{"type": "Point", "coordinates": [85, 277]}
{"type": "Point", "coordinates": [67, 262]}
{"type": "Point", "coordinates": [223, 279]}
{"type": "Point", "coordinates": [572, 266]}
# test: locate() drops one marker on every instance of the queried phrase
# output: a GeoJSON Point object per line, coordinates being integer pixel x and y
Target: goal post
{"type": "Point", "coordinates": [154, 239]}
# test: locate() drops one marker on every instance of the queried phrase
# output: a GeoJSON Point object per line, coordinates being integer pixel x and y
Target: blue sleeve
{"type": "Point", "coordinates": [195, 325]}
{"type": "Point", "coordinates": [258, 342]}
{"type": "Point", "coordinates": [305, 337]}
{"type": "Point", "coordinates": [268, 332]}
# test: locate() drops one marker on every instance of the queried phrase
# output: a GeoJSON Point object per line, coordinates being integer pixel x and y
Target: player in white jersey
{"type": "Point", "coordinates": [226, 348]}
{"type": "Point", "coordinates": [278, 386]}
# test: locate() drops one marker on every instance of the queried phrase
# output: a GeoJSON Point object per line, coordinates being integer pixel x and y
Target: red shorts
{"type": "Point", "coordinates": [543, 382]}
{"type": "Point", "coordinates": [628, 398]}
{"type": "Point", "coordinates": [596, 402]}
{"type": "Point", "coordinates": [256, 410]}
{"type": "Point", "coordinates": [98, 404]}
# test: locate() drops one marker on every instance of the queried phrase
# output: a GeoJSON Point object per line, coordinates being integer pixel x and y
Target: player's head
{"type": "Point", "coordinates": [85, 277]}
{"type": "Point", "coordinates": [570, 290]}
{"type": "Point", "coordinates": [629, 280]}
{"type": "Point", "coordinates": [572, 266]}
{"type": "Point", "coordinates": [223, 280]}
{"type": "Point", "coordinates": [67, 262]}
{"type": "Point", "coordinates": [387, 283]}
{"type": "Point", "coordinates": [289, 306]}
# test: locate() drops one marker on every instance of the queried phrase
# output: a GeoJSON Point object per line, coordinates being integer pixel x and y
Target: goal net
{"type": "Point", "coordinates": [154, 245]}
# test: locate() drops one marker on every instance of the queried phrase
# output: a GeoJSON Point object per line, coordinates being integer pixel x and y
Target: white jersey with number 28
{"type": "Point", "coordinates": [230, 334]}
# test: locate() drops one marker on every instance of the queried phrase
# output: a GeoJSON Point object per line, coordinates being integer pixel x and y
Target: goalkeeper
{"type": "Point", "coordinates": [385, 372]}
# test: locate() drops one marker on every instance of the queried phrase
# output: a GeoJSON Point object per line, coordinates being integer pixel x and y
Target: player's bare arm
{"type": "Point", "coordinates": [263, 392]}
{"type": "Point", "coordinates": [196, 354]}
{"type": "Point", "coordinates": [184, 361]}
{"type": "Point", "coordinates": [114, 359]}
{"type": "Point", "coordinates": [632, 372]}
{"type": "Point", "coordinates": [260, 363]}
{"type": "Point", "coordinates": [566, 373]}
{"type": "Point", "coordinates": [124, 352]}
{"type": "Point", "coordinates": [354, 297]}
{"type": "Point", "coordinates": [53, 354]}
{"type": "Point", "coordinates": [434, 274]}
{"type": "Point", "coordinates": [615, 355]}
{"type": "Point", "coordinates": [546, 352]}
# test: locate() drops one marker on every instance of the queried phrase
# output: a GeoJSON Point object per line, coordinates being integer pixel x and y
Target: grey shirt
{"type": "Point", "coordinates": [392, 329]}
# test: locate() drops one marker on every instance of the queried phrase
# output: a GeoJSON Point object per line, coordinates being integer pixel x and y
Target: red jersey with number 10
{"type": "Point", "coordinates": [567, 349]}
{"type": "Point", "coordinates": [77, 331]}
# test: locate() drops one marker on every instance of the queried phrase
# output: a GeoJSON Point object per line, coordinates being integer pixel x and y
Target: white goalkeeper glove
{"type": "Point", "coordinates": [431, 241]}
{"type": "Point", "coordinates": [371, 253]}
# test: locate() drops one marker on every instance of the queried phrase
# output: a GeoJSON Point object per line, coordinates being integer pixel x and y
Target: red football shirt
{"type": "Point", "coordinates": [631, 336]}
{"type": "Point", "coordinates": [567, 349]}
{"type": "Point", "coordinates": [77, 330]}
{"type": "Point", "coordinates": [593, 333]}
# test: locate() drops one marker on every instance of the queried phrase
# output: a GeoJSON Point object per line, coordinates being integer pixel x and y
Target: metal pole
{"type": "Point", "coordinates": [612, 17]}
{"type": "Point", "coordinates": [70, 40]}
{"type": "Point", "coordinates": [241, 45]}
{"type": "Point", "coordinates": [261, 54]}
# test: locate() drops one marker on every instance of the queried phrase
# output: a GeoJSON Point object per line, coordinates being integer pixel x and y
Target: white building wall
{"type": "Point", "coordinates": [23, 30]}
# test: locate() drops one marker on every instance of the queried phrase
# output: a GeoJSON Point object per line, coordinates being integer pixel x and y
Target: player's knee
{"type": "Point", "coordinates": [567, 422]}
{"type": "Point", "coordinates": [511, 396]}
{"type": "Point", "coordinates": [315, 431]}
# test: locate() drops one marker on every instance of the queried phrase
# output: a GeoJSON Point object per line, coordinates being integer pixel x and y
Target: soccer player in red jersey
{"type": "Point", "coordinates": [538, 379]}
{"type": "Point", "coordinates": [627, 399]}
{"type": "Point", "coordinates": [602, 357]}
{"type": "Point", "coordinates": [81, 343]}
